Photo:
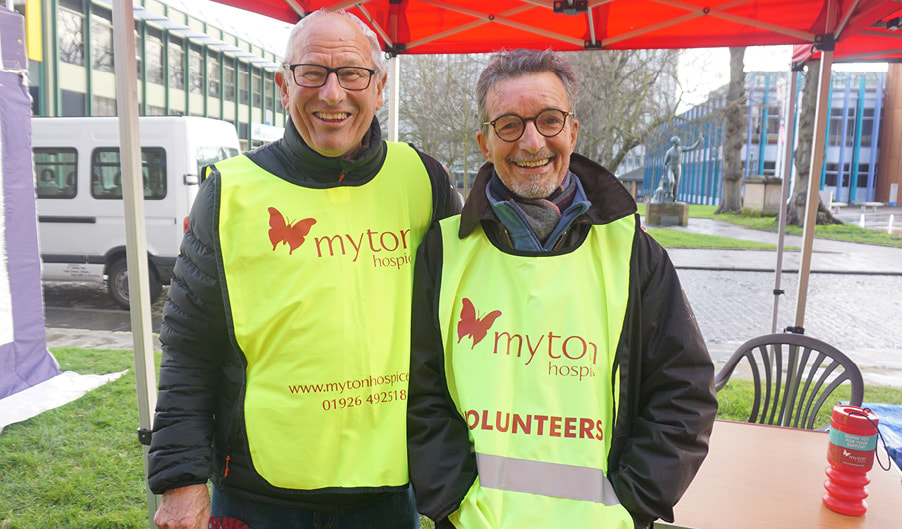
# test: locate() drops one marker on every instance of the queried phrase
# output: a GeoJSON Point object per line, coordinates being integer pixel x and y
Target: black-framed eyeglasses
{"type": "Point", "coordinates": [315, 75]}
{"type": "Point", "coordinates": [510, 127]}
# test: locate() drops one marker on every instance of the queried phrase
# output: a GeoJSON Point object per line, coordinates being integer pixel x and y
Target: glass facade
{"type": "Point", "coordinates": [185, 66]}
{"type": "Point", "coordinates": [849, 168]}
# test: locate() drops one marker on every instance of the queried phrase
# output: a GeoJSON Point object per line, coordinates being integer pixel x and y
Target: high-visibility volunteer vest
{"type": "Point", "coordinates": [319, 286]}
{"type": "Point", "coordinates": [530, 363]}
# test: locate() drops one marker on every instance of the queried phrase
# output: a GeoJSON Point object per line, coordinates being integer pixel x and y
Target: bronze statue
{"type": "Point", "coordinates": [670, 182]}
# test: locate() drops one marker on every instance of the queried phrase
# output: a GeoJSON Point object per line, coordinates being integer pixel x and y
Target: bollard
{"type": "Point", "coordinates": [889, 227]}
{"type": "Point", "coordinates": [861, 221]}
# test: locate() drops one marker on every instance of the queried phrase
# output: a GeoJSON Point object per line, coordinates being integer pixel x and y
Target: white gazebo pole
{"type": "Point", "coordinates": [135, 234]}
{"type": "Point", "coordinates": [821, 114]}
{"type": "Point", "coordinates": [394, 95]}
{"type": "Point", "coordinates": [784, 190]}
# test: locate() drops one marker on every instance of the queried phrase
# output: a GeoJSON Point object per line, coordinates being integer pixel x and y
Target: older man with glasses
{"type": "Point", "coordinates": [286, 332]}
{"type": "Point", "coordinates": [558, 377]}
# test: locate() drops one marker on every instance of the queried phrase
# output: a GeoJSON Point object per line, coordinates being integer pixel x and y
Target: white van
{"type": "Point", "coordinates": [81, 221]}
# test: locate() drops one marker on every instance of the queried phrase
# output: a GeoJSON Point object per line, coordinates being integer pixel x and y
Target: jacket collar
{"type": "Point", "coordinates": [328, 171]}
{"type": "Point", "coordinates": [609, 199]}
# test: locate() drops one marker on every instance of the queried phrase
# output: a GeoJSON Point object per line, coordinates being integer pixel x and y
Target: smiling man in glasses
{"type": "Point", "coordinates": [558, 377]}
{"type": "Point", "coordinates": [286, 332]}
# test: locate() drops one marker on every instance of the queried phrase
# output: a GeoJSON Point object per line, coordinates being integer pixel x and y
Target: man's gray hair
{"type": "Point", "coordinates": [375, 50]}
{"type": "Point", "coordinates": [509, 64]}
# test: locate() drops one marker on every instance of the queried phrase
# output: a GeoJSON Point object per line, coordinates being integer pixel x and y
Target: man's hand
{"type": "Point", "coordinates": [184, 508]}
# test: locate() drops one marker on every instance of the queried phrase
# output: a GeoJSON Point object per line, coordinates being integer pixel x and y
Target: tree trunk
{"type": "Point", "coordinates": [735, 126]}
{"type": "Point", "coordinates": [795, 210]}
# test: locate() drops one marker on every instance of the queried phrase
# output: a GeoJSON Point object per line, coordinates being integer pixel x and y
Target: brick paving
{"type": "Point", "coordinates": [854, 298]}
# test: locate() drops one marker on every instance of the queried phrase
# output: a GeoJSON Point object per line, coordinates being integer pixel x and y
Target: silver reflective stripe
{"type": "Point", "coordinates": [548, 479]}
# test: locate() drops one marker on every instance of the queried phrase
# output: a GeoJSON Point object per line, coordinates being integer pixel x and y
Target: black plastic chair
{"type": "Point", "coordinates": [793, 377]}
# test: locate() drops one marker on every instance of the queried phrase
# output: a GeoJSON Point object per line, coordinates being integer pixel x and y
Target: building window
{"type": "Point", "coordinates": [212, 74]}
{"type": "Point", "coordinates": [154, 48]}
{"type": "Point", "coordinates": [71, 32]}
{"type": "Point", "coordinates": [176, 64]}
{"type": "Point", "coordinates": [256, 88]}
{"type": "Point", "coordinates": [101, 40]}
{"type": "Point", "coordinates": [831, 174]}
{"type": "Point", "coordinates": [863, 169]}
{"type": "Point", "coordinates": [835, 126]}
{"type": "Point", "coordinates": [155, 111]}
{"type": "Point", "coordinates": [72, 103]}
{"type": "Point", "coordinates": [55, 169]}
{"type": "Point", "coordinates": [106, 175]}
{"type": "Point", "coordinates": [773, 125]}
{"type": "Point", "coordinates": [196, 69]}
{"type": "Point", "coordinates": [243, 83]}
{"type": "Point", "coordinates": [228, 78]}
{"type": "Point", "coordinates": [867, 127]}
{"type": "Point", "coordinates": [139, 52]}
{"type": "Point", "coordinates": [268, 86]}
{"type": "Point", "coordinates": [103, 106]}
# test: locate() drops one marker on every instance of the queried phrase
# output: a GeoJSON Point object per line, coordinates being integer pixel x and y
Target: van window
{"type": "Point", "coordinates": [106, 173]}
{"type": "Point", "coordinates": [212, 154]}
{"type": "Point", "coordinates": [55, 168]}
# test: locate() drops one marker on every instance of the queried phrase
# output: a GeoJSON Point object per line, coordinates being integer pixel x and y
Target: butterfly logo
{"type": "Point", "coordinates": [283, 231]}
{"type": "Point", "coordinates": [470, 325]}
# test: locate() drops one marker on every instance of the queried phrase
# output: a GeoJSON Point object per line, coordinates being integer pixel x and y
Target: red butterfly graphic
{"type": "Point", "coordinates": [470, 325]}
{"type": "Point", "coordinates": [226, 522]}
{"type": "Point", "coordinates": [283, 231]}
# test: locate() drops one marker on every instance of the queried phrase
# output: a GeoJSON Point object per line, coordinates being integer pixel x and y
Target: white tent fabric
{"type": "Point", "coordinates": [53, 393]}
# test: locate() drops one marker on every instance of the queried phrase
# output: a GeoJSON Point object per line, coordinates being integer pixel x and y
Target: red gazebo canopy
{"type": "Point", "coordinates": [881, 41]}
{"type": "Point", "coordinates": [466, 26]}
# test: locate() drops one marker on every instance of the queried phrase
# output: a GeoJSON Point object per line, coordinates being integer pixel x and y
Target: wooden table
{"type": "Point", "coordinates": [766, 477]}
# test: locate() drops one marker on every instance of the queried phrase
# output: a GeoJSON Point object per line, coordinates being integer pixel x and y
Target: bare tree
{"type": "Point", "coordinates": [734, 135]}
{"type": "Point", "coordinates": [438, 112]}
{"type": "Point", "coordinates": [795, 213]}
{"type": "Point", "coordinates": [624, 96]}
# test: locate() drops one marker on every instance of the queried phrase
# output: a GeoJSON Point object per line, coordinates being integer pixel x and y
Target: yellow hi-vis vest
{"type": "Point", "coordinates": [529, 347]}
{"type": "Point", "coordinates": [319, 287]}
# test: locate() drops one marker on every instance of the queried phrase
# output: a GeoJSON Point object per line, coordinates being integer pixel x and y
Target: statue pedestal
{"type": "Point", "coordinates": [667, 214]}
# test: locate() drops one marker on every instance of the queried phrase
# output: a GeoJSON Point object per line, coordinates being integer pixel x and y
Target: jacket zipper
{"type": "Point", "coordinates": [507, 236]}
{"type": "Point", "coordinates": [560, 241]}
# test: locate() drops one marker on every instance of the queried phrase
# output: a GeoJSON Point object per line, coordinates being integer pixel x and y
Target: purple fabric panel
{"type": "Point", "coordinates": [12, 29]}
{"type": "Point", "coordinates": [25, 361]}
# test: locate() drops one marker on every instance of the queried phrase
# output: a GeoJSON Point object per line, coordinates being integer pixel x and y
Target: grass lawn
{"type": "Point", "coordinates": [80, 466]}
{"type": "Point", "coordinates": [684, 239]}
{"type": "Point", "coordinates": [840, 232]}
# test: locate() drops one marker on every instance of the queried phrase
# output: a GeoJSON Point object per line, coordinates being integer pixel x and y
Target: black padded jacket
{"type": "Point", "coordinates": [667, 402]}
{"type": "Point", "coordinates": [202, 373]}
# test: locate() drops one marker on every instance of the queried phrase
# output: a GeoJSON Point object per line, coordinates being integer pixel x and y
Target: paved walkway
{"type": "Point", "coordinates": [828, 256]}
{"type": "Point", "coordinates": [854, 299]}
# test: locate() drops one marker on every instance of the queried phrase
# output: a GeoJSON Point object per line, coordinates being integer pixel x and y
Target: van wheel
{"type": "Point", "coordinates": [117, 284]}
